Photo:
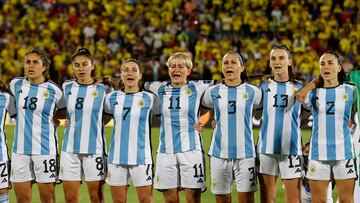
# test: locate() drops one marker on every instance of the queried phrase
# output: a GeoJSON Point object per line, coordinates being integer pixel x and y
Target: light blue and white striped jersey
{"type": "Point", "coordinates": [233, 106]}
{"type": "Point", "coordinates": [179, 109]}
{"type": "Point", "coordinates": [84, 110]}
{"type": "Point", "coordinates": [7, 104]}
{"type": "Point", "coordinates": [331, 109]}
{"type": "Point", "coordinates": [130, 142]}
{"type": "Point", "coordinates": [280, 129]}
{"type": "Point", "coordinates": [35, 133]}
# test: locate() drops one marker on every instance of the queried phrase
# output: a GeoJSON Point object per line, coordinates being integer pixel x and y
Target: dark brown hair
{"type": "Point", "coordinates": [44, 59]}
{"type": "Point", "coordinates": [84, 52]}
{"type": "Point", "coordinates": [243, 75]}
{"type": "Point", "coordinates": [341, 74]}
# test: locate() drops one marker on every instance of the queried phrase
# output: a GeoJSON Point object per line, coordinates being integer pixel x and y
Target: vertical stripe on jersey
{"type": "Point", "coordinates": [67, 129]}
{"type": "Point", "coordinates": [112, 100]}
{"type": "Point", "coordinates": [217, 145]}
{"type": "Point", "coordinates": [315, 136]}
{"type": "Point", "coordinates": [3, 101]}
{"type": "Point", "coordinates": [175, 119]}
{"type": "Point", "coordinates": [191, 115]}
{"type": "Point", "coordinates": [144, 114]}
{"type": "Point", "coordinates": [231, 111]}
{"type": "Point", "coordinates": [17, 88]}
{"type": "Point", "coordinates": [249, 153]}
{"type": "Point", "coordinates": [124, 139]}
{"type": "Point", "coordinates": [295, 125]}
{"type": "Point", "coordinates": [160, 93]}
{"type": "Point", "coordinates": [330, 123]}
{"type": "Point", "coordinates": [33, 91]}
{"type": "Point", "coordinates": [279, 117]}
{"type": "Point", "coordinates": [347, 114]}
{"type": "Point", "coordinates": [45, 124]}
{"type": "Point", "coordinates": [265, 116]}
{"type": "Point", "coordinates": [78, 119]}
{"type": "Point", "coordinates": [94, 120]}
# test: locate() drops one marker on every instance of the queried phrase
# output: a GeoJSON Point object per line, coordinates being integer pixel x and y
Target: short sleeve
{"type": "Point", "coordinates": [107, 106]}
{"type": "Point", "coordinates": [307, 104]}
{"type": "Point", "coordinates": [11, 108]}
{"type": "Point", "coordinates": [257, 97]}
{"type": "Point", "coordinates": [152, 87]}
{"type": "Point", "coordinates": [156, 105]}
{"type": "Point", "coordinates": [207, 99]}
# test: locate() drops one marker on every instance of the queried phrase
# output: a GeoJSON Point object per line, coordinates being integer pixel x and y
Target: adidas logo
{"type": "Point", "coordinates": [298, 170]}
{"type": "Point", "coordinates": [200, 181]}
{"type": "Point", "coordinates": [101, 173]}
{"type": "Point", "coordinates": [350, 171]}
{"type": "Point", "coordinates": [20, 91]}
{"type": "Point", "coordinates": [116, 103]}
{"type": "Point", "coordinates": [4, 180]}
{"type": "Point", "coordinates": [69, 93]}
{"type": "Point", "coordinates": [163, 93]}
{"type": "Point", "coordinates": [218, 97]}
{"type": "Point", "coordinates": [52, 176]}
{"type": "Point", "coordinates": [253, 184]}
{"type": "Point", "coordinates": [148, 178]}
{"type": "Point", "coordinates": [268, 90]}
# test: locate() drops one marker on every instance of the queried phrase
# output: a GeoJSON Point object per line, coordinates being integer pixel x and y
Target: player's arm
{"type": "Point", "coordinates": [301, 94]}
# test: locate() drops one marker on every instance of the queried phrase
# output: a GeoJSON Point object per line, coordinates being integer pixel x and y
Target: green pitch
{"type": "Point", "coordinates": [132, 197]}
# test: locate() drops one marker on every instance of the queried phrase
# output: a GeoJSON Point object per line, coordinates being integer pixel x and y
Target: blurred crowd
{"type": "Point", "coordinates": [150, 30]}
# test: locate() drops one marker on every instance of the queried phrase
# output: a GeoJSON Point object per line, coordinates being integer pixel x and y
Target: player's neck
{"type": "Point", "coordinates": [178, 85]}
{"type": "Point", "coordinates": [134, 89]}
{"type": "Point", "coordinates": [331, 83]}
{"type": "Point", "coordinates": [87, 81]}
{"type": "Point", "coordinates": [233, 83]}
{"type": "Point", "coordinates": [36, 80]}
{"type": "Point", "coordinates": [281, 77]}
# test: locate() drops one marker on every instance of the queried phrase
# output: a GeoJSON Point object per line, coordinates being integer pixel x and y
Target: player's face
{"type": "Point", "coordinates": [329, 67]}
{"type": "Point", "coordinates": [178, 73]}
{"type": "Point", "coordinates": [130, 74]}
{"type": "Point", "coordinates": [231, 67]}
{"type": "Point", "coordinates": [34, 67]}
{"type": "Point", "coordinates": [82, 67]}
{"type": "Point", "coordinates": [279, 61]}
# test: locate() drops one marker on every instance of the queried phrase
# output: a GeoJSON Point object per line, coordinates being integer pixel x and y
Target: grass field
{"type": "Point", "coordinates": [206, 197]}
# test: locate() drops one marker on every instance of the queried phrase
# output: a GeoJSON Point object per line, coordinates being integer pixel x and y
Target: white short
{"type": "Point", "coordinates": [120, 175]}
{"type": "Point", "coordinates": [74, 166]}
{"type": "Point", "coordinates": [224, 171]}
{"type": "Point", "coordinates": [185, 170]}
{"type": "Point", "coordinates": [4, 174]}
{"type": "Point", "coordinates": [41, 168]}
{"type": "Point", "coordinates": [328, 170]}
{"type": "Point", "coordinates": [287, 166]}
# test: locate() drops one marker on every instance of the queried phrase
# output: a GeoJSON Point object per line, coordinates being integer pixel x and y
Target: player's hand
{"type": "Point", "coordinates": [67, 122]}
{"type": "Point", "coordinates": [213, 124]}
{"type": "Point", "coordinates": [265, 78]}
{"type": "Point", "coordinates": [349, 123]}
{"type": "Point", "coordinates": [199, 127]}
{"type": "Point", "coordinates": [301, 95]}
{"type": "Point", "coordinates": [56, 122]}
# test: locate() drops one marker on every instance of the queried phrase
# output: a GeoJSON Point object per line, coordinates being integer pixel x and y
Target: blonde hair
{"type": "Point", "coordinates": [181, 56]}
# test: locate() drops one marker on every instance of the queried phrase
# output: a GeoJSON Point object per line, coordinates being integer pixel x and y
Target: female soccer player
{"type": "Point", "coordinates": [34, 151]}
{"type": "Point", "coordinates": [130, 148]}
{"type": "Point", "coordinates": [180, 162]}
{"type": "Point", "coordinates": [279, 146]}
{"type": "Point", "coordinates": [232, 150]}
{"type": "Point", "coordinates": [331, 146]}
{"type": "Point", "coordinates": [6, 105]}
{"type": "Point", "coordinates": [84, 146]}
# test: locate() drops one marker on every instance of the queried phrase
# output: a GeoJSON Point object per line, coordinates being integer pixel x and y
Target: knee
{"type": "Point", "coordinates": [145, 199]}
{"type": "Point", "coordinates": [71, 198]}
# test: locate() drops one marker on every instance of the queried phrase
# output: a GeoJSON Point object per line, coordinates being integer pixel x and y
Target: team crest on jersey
{"type": "Point", "coordinates": [141, 103]}
{"type": "Point", "coordinates": [46, 94]}
{"type": "Point", "coordinates": [188, 91]}
{"type": "Point", "coordinates": [95, 93]}
{"type": "Point", "coordinates": [346, 97]}
{"type": "Point", "coordinates": [245, 96]}
{"type": "Point", "coordinates": [312, 169]}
